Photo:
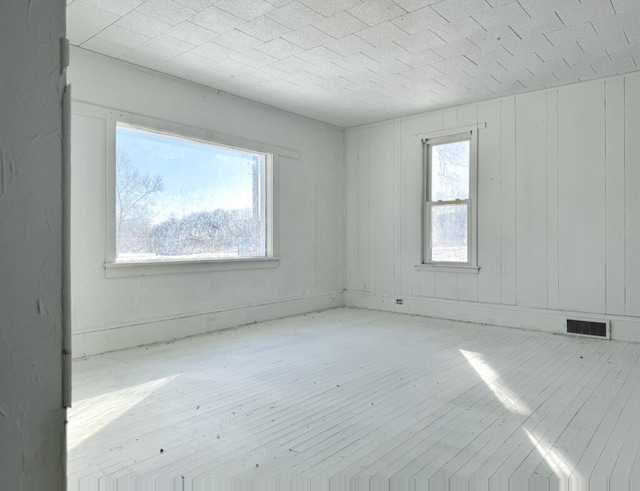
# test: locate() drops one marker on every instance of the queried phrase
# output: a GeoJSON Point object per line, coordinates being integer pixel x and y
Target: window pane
{"type": "Point", "coordinates": [449, 233]}
{"type": "Point", "coordinates": [450, 171]}
{"type": "Point", "coordinates": [179, 199]}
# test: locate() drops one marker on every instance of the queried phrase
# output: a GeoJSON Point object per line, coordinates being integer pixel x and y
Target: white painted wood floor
{"type": "Point", "coordinates": [355, 399]}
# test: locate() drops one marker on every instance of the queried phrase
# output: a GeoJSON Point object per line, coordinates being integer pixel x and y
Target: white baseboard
{"type": "Point", "coordinates": [622, 328]}
{"type": "Point", "coordinates": [93, 342]}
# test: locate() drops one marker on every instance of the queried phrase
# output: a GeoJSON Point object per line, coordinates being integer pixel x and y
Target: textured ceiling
{"type": "Point", "coordinates": [349, 62]}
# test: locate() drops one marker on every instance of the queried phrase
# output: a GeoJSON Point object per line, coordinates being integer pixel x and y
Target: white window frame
{"type": "Point", "coordinates": [471, 265]}
{"type": "Point", "coordinates": [114, 269]}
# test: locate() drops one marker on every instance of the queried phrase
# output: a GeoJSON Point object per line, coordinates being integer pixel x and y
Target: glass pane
{"type": "Point", "coordinates": [179, 199]}
{"type": "Point", "coordinates": [449, 233]}
{"type": "Point", "coordinates": [450, 171]}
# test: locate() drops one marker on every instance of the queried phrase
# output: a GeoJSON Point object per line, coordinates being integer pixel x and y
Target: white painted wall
{"type": "Point", "coordinates": [559, 173]}
{"type": "Point", "coordinates": [121, 312]}
{"type": "Point", "coordinates": [31, 413]}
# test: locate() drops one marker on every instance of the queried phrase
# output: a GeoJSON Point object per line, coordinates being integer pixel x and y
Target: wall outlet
{"type": "Point", "coordinates": [399, 301]}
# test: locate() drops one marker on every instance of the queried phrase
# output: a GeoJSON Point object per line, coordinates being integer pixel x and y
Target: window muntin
{"type": "Point", "coordinates": [448, 196]}
{"type": "Point", "coordinates": [182, 199]}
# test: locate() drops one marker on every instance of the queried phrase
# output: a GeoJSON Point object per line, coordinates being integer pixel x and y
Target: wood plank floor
{"type": "Point", "coordinates": [360, 400]}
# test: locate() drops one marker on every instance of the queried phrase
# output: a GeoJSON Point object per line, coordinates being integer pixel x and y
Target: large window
{"type": "Point", "coordinates": [450, 200]}
{"type": "Point", "coordinates": [182, 199]}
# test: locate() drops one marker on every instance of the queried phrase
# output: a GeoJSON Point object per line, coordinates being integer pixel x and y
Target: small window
{"type": "Point", "coordinates": [449, 200]}
{"type": "Point", "coordinates": [182, 199]}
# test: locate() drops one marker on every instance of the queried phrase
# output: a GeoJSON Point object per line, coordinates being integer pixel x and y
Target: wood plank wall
{"type": "Point", "coordinates": [558, 202]}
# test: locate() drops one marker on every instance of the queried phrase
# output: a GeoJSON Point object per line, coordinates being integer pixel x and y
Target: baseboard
{"type": "Point", "coordinates": [622, 328]}
{"type": "Point", "coordinates": [93, 342]}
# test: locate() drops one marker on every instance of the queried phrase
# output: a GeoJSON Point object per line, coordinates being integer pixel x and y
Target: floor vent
{"type": "Point", "coordinates": [597, 329]}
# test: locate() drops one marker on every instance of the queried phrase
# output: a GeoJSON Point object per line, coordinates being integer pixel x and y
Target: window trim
{"type": "Point", "coordinates": [120, 269]}
{"type": "Point", "coordinates": [471, 266]}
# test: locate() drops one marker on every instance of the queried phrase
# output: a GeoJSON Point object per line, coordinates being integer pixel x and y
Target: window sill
{"type": "Point", "coordinates": [123, 270]}
{"type": "Point", "coordinates": [445, 268]}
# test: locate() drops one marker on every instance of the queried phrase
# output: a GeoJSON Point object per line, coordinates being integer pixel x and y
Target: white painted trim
{"type": "Point", "coordinates": [622, 328]}
{"type": "Point", "coordinates": [447, 268]}
{"type": "Point", "coordinates": [123, 270]}
{"type": "Point", "coordinates": [102, 112]}
{"type": "Point", "coordinates": [449, 131]}
{"type": "Point", "coordinates": [113, 338]}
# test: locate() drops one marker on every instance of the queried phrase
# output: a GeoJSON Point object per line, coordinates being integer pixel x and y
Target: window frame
{"type": "Point", "coordinates": [471, 265]}
{"type": "Point", "coordinates": [115, 269]}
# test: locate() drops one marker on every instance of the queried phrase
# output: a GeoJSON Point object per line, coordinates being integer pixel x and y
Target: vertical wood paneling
{"type": "Point", "coordinates": [468, 287]}
{"type": "Point", "coordinates": [363, 209]}
{"type": "Point", "coordinates": [508, 199]}
{"type": "Point", "coordinates": [552, 200]}
{"type": "Point", "coordinates": [450, 118]}
{"type": "Point", "coordinates": [468, 115]}
{"type": "Point", "coordinates": [352, 188]}
{"type": "Point", "coordinates": [531, 200]}
{"type": "Point", "coordinates": [615, 195]}
{"type": "Point", "coordinates": [558, 174]}
{"type": "Point", "coordinates": [489, 205]}
{"type": "Point", "coordinates": [446, 285]}
{"type": "Point", "coordinates": [397, 208]}
{"type": "Point", "coordinates": [381, 208]}
{"type": "Point", "coordinates": [432, 121]}
{"type": "Point", "coordinates": [411, 208]}
{"type": "Point", "coordinates": [632, 193]}
{"type": "Point", "coordinates": [581, 216]}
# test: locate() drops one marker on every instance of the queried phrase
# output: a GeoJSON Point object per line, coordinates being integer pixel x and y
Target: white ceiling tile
{"type": "Point", "coordinates": [419, 20]}
{"type": "Point", "coordinates": [359, 77]}
{"type": "Point", "coordinates": [245, 10]}
{"type": "Point", "coordinates": [464, 27]}
{"type": "Point", "coordinates": [87, 21]}
{"type": "Point", "coordinates": [421, 74]}
{"type": "Point", "coordinates": [391, 66]}
{"type": "Point", "coordinates": [279, 3]}
{"type": "Point", "coordinates": [168, 45]}
{"type": "Point", "coordinates": [118, 7]}
{"type": "Point", "coordinates": [295, 15]}
{"type": "Point", "coordinates": [142, 24]}
{"type": "Point", "coordinates": [166, 11]}
{"type": "Point", "coordinates": [264, 29]}
{"type": "Point", "coordinates": [386, 51]}
{"type": "Point", "coordinates": [319, 54]}
{"type": "Point", "coordinates": [421, 58]}
{"type": "Point", "coordinates": [217, 20]}
{"type": "Point", "coordinates": [279, 48]}
{"type": "Point", "coordinates": [457, 9]}
{"type": "Point", "coordinates": [292, 65]}
{"type": "Point", "coordinates": [356, 62]}
{"type": "Point", "coordinates": [585, 11]}
{"type": "Point", "coordinates": [238, 41]}
{"type": "Point", "coordinates": [213, 52]}
{"type": "Point", "coordinates": [457, 48]}
{"type": "Point", "coordinates": [328, 62]}
{"type": "Point", "coordinates": [411, 5]}
{"type": "Point", "coordinates": [373, 12]}
{"type": "Point", "coordinates": [348, 45]}
{"type": "Point", "coordinates": [114, 41]}
{"type": "Point", "coordinates": [331, 7]}
{"type": "Point", "coordinates": [383, 33]}
{"type": "Point", "coordinates": [340, 25]}
{"type": "Point", "coordinates": [327, 69]}
{"type": "Point", "coordinates": [455, 65]}
{"type": "Point", "coordinates": [420, 41]}
{"type": "Point", "coordinates": [146, 56]}
{"type": "Point", "coordinates": [198, 5]}
{"type": "Point", "coordinates": [308, 37]}
{"type": "Point", "coordinates": [253, 58]}
{"type": "Point", "coordinates": [192, 33]}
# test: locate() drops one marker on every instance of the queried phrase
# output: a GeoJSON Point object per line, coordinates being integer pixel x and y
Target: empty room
{"type": "Point", "coordinates": [320, 244]}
